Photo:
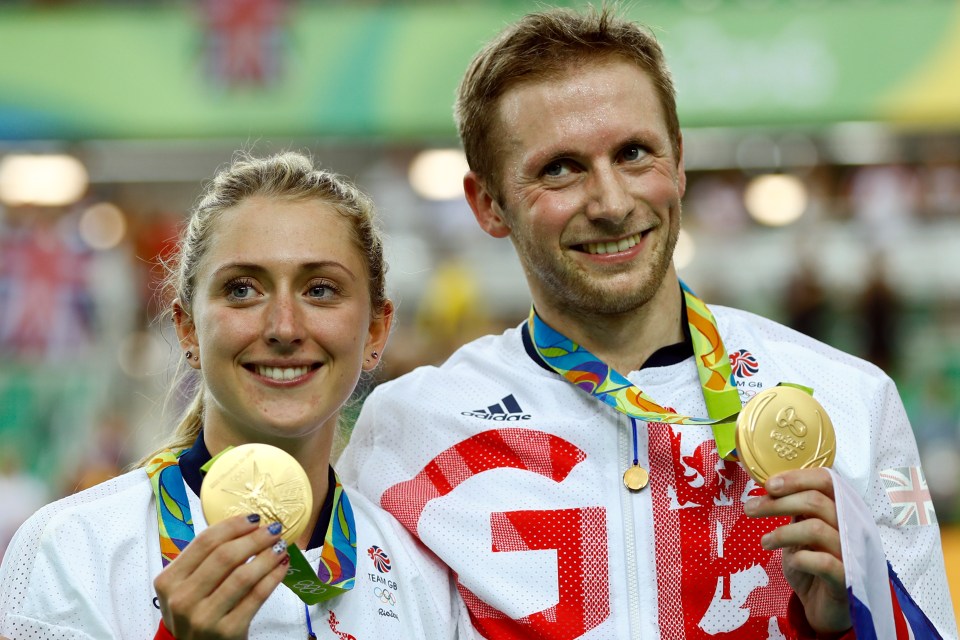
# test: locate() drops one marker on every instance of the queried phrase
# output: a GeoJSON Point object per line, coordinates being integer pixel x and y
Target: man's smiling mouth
{"type": "Point", "coordinates": [602, 248]}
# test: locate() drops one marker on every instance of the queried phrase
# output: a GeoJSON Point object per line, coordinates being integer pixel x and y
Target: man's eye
{"type": "Point", "coordinates": [632, 152]}
{"type": "Point", "coordinates": [556, 169]}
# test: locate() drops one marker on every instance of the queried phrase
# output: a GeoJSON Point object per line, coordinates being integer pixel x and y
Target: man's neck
{"type": "Point", "coordinates": [624, 341]}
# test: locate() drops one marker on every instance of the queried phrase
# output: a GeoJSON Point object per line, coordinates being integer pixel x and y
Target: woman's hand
{"type": "Point", "coordinates": [219, 582]}
{"type": "Point", "coordinates": [812, 562]}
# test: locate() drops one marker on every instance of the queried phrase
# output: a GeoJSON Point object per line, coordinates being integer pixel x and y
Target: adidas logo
{"type": "Point", "coordinates": [507, 410]}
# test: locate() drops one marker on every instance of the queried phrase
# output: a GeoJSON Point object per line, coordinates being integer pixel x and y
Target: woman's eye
{"type": "Point", "coordinates": [240, 290]}
{"type": "Point", "coordinates": [321, 291]}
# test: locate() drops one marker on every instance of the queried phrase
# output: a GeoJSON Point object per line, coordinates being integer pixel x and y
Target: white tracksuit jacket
{"type": "Point", "coordinates": [82, 568]}
{"type": "Point", "coordinates": [513, 478]}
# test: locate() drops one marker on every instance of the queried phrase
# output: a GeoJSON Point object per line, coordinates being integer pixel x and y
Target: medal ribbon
{"type": "Point", "coordinates": [586, 372]}
{"type": "Point", "coordinates": [173, 507]}
{"type": "Point", "coordinates": [338, 558]}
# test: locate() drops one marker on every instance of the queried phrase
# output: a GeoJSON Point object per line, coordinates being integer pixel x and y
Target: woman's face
{"type": "Point", "coordinates": [281, 320]}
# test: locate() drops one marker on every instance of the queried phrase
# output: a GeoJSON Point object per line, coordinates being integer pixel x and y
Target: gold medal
{"type": "Point", "coordinates": [258, 478]}
{"type": "Point", "coordinates": [784, 428]}
{"type": "Point", "coordinates": [635, 478]}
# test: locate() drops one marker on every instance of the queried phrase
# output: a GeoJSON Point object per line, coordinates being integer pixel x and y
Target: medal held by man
{"type": "Point", "coordinates": [784, 428]}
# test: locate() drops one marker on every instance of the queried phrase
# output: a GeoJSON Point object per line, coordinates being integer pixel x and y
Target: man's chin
{"type": "Point", "coordinates": [609, 301]}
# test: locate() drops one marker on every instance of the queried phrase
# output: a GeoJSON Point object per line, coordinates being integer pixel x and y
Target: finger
{"type": "Point", "coordinates": [237, 620]}
{"type": "Point", "coordinates": [189, 597]}
{"type": "Point", "coordinates": [821, 565]}
{"type": "Point", "coordinates": [226, 558]}
{"type": "Point", "coordinates": [813, 534]}
{"type": "Point", "coordinates": [211, 538]}
{"type": "Point", "coordinates": [803, 505]}
{"type": "Point", "coordinates": [175, 575]}
{"type": "Point", "coordinates": [245, 578]}
{"type": "Point", "coordinates": [798, 480]}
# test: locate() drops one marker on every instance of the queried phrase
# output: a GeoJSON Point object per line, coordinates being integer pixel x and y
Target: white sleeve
{"type": "Point", "coordinates": [23, 627]}
{"type": "Point", "coordinates": [39, 597]}
{"type": "Point", "coordinates": [912, 543]}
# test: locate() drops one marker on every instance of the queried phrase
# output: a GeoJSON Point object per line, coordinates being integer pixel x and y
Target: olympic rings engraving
{"type": "Point", "coordinates": [308, 586]}
{"type": "Point", "coordinates": [385, 595]}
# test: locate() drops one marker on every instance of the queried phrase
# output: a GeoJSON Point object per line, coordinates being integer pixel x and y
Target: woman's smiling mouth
{"type": "Point", "coordinates": [281, 374]}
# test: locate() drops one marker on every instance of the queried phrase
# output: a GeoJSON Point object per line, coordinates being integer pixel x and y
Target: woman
{"type": "Point", "coordinates": [279, 304]}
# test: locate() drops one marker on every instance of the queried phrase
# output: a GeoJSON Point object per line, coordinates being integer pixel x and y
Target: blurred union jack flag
{"type": "Point", "coordinates": [245, 40]}
{"type": "Point", "coordinates": [46, 288]}
{"type": "Point", "coordinates": [909, 496]}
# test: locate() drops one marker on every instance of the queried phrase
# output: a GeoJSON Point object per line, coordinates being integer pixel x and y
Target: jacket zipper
{"type": "Point", "coordinates": [625, 457]}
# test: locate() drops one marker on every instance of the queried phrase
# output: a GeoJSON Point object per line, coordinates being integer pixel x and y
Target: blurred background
{"type": "Point", "coordinates": [822, 143]}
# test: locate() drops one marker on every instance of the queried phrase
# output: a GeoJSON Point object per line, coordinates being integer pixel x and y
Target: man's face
{"type": "Point", "coordinates": [590, 187]}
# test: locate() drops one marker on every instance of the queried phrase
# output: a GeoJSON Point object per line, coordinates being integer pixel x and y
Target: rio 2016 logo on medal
{"type": "Point", "coordinates": [784, 428]}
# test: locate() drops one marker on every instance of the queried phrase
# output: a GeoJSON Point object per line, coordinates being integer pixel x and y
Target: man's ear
{"type": "Point", "coordinates": [488, 213]}
{"type": "Point", "coordinates": [186, 333]}
{"type": "Point", "coordinates": [681, 173]}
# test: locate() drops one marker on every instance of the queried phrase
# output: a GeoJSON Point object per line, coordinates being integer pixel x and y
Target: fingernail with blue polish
{"type": "Point", "coordinates": [275, 528]}
{"type": "Point", "coordinates": [280, 547]}
{"type": "Point", "coordinates": [253, 517]}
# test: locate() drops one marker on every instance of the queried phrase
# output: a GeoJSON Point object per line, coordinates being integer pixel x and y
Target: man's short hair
{"type": "Point", "coordinates": [543, 45]}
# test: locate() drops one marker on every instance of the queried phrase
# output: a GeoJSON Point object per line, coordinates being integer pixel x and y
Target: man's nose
{"type": "Point", "coordinates": [609, 197]}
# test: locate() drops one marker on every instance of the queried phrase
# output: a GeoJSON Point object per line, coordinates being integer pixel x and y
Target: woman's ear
{"type": "Point", "coordinates": [186, 334]}
{"type": "Point", "coordinates": [377, 336]}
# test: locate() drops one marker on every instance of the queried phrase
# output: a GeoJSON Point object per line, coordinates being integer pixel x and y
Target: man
{"type": "Point", "coordinates": [512, 460]}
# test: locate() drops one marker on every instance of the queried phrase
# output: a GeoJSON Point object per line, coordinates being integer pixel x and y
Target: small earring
{"type": "Point", "coordinates": [374, 355]}
{"type": "Point", "coordinates": [189, 355]}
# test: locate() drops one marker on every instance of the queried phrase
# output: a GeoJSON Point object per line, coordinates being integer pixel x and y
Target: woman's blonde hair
{"type": "Point", "coordinates": [290, 176]}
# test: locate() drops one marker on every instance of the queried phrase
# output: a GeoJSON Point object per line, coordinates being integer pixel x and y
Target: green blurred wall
{"type": "Point", "coordinates": [391, 71]}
